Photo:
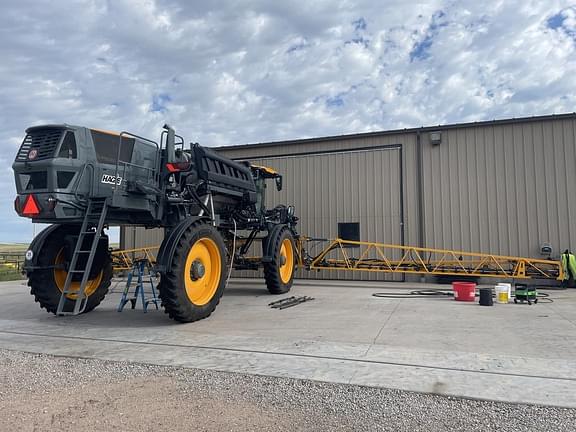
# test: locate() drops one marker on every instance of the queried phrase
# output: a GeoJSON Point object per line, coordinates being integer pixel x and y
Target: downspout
{"type": "Point", "coordinates": [402, 222]}
{"type": "Point", "coordinates": [420, 189]}
{"type": "Point", "coordinates": [402, 225]}
{"type": "Point", "coordinates": [122, 239]}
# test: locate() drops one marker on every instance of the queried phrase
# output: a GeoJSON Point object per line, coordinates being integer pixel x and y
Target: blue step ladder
{"type": "Point", "coordinates": [140, 268]}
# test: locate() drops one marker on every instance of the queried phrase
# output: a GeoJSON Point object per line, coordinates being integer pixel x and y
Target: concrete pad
{"type": "Point", "coordinates": [514, 353]}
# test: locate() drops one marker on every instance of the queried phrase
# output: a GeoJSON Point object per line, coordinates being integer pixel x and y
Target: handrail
{"type": "Point", "coordinates": [131, 135]}
{"type": "Point", "coordinates": [91, 186]}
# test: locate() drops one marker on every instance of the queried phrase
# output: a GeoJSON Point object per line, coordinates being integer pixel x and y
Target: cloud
{"type": "Point", "coordinates": [226, 72]}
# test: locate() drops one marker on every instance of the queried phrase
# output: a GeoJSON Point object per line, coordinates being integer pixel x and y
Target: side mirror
{"type": "Point", "coordinates": [279, 183]}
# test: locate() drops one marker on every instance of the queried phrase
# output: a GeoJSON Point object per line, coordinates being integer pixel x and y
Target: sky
{"type": "Point", "coordinates": [226, 72]}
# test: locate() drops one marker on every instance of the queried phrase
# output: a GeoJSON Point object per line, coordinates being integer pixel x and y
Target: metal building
{"type": "Point", "coordinates": [504, 187]}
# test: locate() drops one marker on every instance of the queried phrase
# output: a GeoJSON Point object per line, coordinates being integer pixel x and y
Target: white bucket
{"type": "Point", "coordinates": [509, 286]}
{"type": "Point", "coordinates": [502, 293]}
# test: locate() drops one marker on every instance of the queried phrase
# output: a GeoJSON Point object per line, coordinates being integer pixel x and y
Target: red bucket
{"type": "Point", "coordinates": [464, 291]}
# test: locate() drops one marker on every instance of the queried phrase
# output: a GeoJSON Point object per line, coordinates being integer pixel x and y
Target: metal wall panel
{"type": "Point", "coordinates": [136, 237]}
{"type": "Point", "coordinates": [349, 186]}
{"type": "Point", "coordinates": [406, 140]}
{"type": "Point", "coordinates": [502, 189]}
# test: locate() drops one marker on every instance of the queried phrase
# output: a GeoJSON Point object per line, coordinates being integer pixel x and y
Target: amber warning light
{"type": "Point", "coordinates": [31, 207]}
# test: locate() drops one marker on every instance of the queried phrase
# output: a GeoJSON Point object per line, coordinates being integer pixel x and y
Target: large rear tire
{"type": "Point", "coordinates": [279, 272]}
{"type": "Point", "coordinates": [192, 287]}
{"type": "Point", "coordinates": [46, 285]}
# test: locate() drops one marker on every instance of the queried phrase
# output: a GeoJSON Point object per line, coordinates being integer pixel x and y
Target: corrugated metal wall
{"type": "Point", "coordinates": [500, 187]}
{"type": "Point", "coordinates": [331, 188]}
{"type": "Point", "coordinates": [503, 189]}
{"type": "Point", "coordinates": [132, 237]}
{"type": "Point", "coordinates": [404, 141]}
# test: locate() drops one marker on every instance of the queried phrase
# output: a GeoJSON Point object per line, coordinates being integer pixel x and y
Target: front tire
{"type": "Point", "coordinates": [279, 272]}
{"type": "Point", "coordinates": [46, 285]}
{"type": "Point", "coordinates": [191, 289]}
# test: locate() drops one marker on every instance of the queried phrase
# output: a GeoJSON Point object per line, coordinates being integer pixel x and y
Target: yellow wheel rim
{"type": "Point", "coordinates": [287, 258]}
{"type": "Point", "coordinates": [202, 271]}
{"type": "Point", "coordinates": [60, 279]}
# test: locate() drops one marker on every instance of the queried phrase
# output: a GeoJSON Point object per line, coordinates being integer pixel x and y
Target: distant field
{"type": "Point", "coordinates": [21, 247]}
{"type": "Point", "coordinates": [13, 247]}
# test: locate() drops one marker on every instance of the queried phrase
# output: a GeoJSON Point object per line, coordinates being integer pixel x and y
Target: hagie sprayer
{"type": "Point", "coordinates": [83, 180]}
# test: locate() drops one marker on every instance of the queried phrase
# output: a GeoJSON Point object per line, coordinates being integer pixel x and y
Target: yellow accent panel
{"type": "Point", "coordinates": [267, 170]}
{"type": "Point", "coordinates": [105, 131]}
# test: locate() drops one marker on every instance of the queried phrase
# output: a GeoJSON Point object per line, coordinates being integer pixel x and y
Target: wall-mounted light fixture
{"type": "Point", "coordinates": [546, 249]}
{"type": "Point", "coordinates": [435, 138]}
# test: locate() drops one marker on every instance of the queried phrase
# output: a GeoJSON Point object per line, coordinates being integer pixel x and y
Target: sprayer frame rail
{"type": "Point", "coordinates": [348, 255]}
{"type": "Point", "coordinates": [125, 259]}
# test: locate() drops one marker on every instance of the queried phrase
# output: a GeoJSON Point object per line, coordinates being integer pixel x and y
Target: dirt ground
{"type": "Point", "coordinates": [46, 393]}
{"type": "Point", "coordinates": [152, 404]}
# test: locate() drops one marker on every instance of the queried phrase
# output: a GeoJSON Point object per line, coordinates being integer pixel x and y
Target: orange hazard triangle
{"type": "Point", "coordinates": [30, 206]}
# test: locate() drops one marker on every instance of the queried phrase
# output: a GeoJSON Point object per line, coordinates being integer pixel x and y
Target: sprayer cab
{"type": "Point", "coordinates": [59, 167]}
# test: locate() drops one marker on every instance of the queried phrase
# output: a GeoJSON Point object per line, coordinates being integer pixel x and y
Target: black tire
{"type": "Point", "coordinates": [43, 284]}
{"type": "Point", "coordinates": [173, 289]}
{"type": "Point", "coordinates": [275, 272]}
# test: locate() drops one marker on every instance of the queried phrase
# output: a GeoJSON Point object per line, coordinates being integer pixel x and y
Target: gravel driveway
{"type": "Point", "coordinates": [39, 392]}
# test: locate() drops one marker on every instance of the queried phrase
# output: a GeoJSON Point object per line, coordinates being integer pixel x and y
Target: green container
{"type": "Point", "coordinates": [524, 293]}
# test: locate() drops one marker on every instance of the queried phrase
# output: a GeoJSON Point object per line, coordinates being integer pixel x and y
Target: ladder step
{"type": "Point", "coordinates": [75, 271]}
{"type": "Point", "coordinates": [84, 251]}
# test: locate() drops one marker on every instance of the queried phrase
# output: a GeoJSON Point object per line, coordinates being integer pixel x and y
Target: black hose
{"type": "Point", "coordinates": [551, 288]}
{"type": "Point", "coordinates": [441, 293]}
{"type": "Point", "coordinates": [416, 294]}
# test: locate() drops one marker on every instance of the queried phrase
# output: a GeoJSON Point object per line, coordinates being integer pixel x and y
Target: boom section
{"type": "Point", "coordinates": [348, 255]}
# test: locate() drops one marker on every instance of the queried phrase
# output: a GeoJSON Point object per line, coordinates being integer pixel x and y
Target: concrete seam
{"type": "Point", "coordinates": [287, 354]}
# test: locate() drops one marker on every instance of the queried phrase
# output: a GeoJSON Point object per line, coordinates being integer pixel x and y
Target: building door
{"type": "Point", "coordinates": [361, 186]}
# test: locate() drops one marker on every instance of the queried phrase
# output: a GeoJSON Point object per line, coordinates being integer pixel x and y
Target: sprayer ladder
{"type": "Point", "coordinates": [90, 234]}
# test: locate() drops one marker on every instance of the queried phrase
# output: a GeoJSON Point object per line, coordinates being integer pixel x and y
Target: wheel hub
{"type": "Point", "coordinates": [198, 270]}
{"type": "Point", "coordinates": [282, 260]}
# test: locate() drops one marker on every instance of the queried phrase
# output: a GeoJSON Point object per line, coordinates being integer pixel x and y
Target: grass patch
{"type": "Point", "coordinates": [11, 258]}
